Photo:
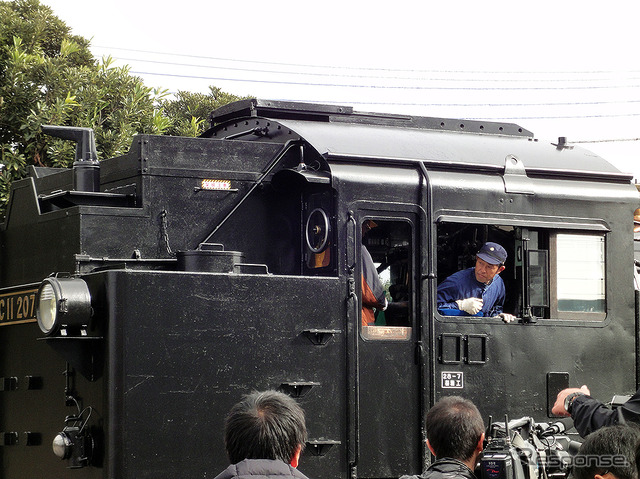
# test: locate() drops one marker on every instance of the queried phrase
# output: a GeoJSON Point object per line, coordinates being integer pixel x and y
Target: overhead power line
{"type": "Point", "coordinates": [350, 67]}
{"type": "Point", "coordinates": [413, 103]}
{"type": "Point", "coordinates": [385, 87]}
{"type": "Point", "coordinates": [374, 77]}
{"type": "Point", "coordinates": [617, 140]}
{"type": "Point", "coordinates": [433, 80]}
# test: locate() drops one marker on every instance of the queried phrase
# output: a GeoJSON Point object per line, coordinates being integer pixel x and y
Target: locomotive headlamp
{"type": "Point", "coordinates": [63, 306]}
{"type": "Point", "coordinates": [75, 445]}
{"type": "Point", "coordinates": [62, 445]}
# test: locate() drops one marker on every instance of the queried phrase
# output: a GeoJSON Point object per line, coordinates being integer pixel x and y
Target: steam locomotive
{"type": "Point", "coordinates": [143, 295]}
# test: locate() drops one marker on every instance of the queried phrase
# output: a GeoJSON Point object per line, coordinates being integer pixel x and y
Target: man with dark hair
{"type": "Point", "coordinates": [264, 435]}
{"type": "Point", "coordinates": [608, 453]}
{"type": "Point", "coordinates": [455, 433]}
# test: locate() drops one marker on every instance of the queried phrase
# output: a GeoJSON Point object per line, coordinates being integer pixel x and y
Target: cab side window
{"type": "Point", "coordinates": [549, 273]}
{"type": "Point", "coordinates": [386, 279]}
{"type": "Point", "coordinates": [579, 276]}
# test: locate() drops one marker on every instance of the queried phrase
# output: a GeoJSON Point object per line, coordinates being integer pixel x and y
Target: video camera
{"type": "Point", "coordinates": [522, 449]}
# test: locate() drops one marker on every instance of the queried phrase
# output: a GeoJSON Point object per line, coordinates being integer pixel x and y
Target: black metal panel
{"type": "Point", "coordinates": [520, 356]}
{"type": "Point", "coordinates": [176, 369]}
{"type": "Point", "coordinates": [40, 411]}
{"type": "Point", "coordinates": [38, 243]}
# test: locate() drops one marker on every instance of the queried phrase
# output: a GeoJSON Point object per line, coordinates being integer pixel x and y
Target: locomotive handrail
{"type": "Point", "coordinates": [351, 263]}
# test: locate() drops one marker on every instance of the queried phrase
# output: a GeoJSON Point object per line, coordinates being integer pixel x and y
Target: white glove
{"type": "Point", "coordinates": [469, 305]}
{"type": "Point", "coordinates": [507, 318]}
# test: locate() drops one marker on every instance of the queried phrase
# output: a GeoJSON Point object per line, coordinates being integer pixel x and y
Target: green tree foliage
{"type": "Point", "coordinates": [190, 111]}
{"type": "Point", "coordinates": [49, 76]}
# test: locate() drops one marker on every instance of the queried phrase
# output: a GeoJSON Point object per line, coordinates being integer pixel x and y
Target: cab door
{"type": "Point", "coordinates": [388, 390]}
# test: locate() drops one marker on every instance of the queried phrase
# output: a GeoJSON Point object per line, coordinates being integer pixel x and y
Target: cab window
{"type": "Point", "coordinates": [549, 274]}
{"type": "Point", "coordinates": [579, 262]}
{"type": "Point", "coordinates": [386, 272]}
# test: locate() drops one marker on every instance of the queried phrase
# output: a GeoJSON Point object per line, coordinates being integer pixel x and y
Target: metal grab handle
{"type": "Point", "coordinates": [351, 262]}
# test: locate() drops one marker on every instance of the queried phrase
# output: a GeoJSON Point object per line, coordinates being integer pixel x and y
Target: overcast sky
{"type": "Point", "coordinates": [557, 68]}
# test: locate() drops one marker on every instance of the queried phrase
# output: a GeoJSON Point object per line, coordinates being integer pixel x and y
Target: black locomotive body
{"type": "Point", "coordinates": [200, 269]}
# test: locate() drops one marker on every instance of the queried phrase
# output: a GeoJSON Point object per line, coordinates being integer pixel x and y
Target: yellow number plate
{"type": "Point", "coordinates": [18, 307]}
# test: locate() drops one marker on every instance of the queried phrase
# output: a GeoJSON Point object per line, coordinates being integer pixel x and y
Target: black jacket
{"type": "Point", "coordinates": [445, 468]}
{"type": "Point", "coordinates": [590, 414]}
{"type": "Point", "coordinates": [260, 469]}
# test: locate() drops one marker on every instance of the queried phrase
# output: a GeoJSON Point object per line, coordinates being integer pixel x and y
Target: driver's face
{"type": "Point", "coordinates": [485, 271]}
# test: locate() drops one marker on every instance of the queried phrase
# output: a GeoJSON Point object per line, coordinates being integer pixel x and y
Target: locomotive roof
{"type": "Point", "coordinates": [338, 133]}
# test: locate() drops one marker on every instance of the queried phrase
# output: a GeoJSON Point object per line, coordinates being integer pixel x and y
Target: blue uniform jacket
{"type": "Point", "coordinates": [462, 285]}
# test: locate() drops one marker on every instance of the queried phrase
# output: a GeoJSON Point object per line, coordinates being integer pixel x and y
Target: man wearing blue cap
{"type": "Point", "coordinates": [477, 291]}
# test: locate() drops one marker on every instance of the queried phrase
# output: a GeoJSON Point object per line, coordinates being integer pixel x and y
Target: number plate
{"type": "Point", "coordinates": [452, 380]}
{"type": "Point", "coordinates": [18, 307]}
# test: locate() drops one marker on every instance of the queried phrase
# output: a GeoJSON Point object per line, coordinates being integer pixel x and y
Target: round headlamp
{"type": "Point", "coordinates": [63, 305]}
{"type": "Point", "coordinates": [62, 445]}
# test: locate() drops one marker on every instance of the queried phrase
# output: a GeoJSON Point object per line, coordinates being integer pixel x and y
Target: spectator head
{"type": "Point", "coordinates": [265, 425]}
{"type": "Point", "coordinates": [609, 452]}
{"type": "Point", "coordinates": [455, 429]}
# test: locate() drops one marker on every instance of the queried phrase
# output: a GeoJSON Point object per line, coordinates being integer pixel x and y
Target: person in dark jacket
{"type": "Point", "coordinates": [264, 435]}
{"type": "Point", "coordinates": [589, 414]}
{"type": "Point", "coordinates": [455, 433]}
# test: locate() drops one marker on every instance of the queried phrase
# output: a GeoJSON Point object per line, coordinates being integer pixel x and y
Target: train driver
{"type": "Point", "coordinates": [476, 291]}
